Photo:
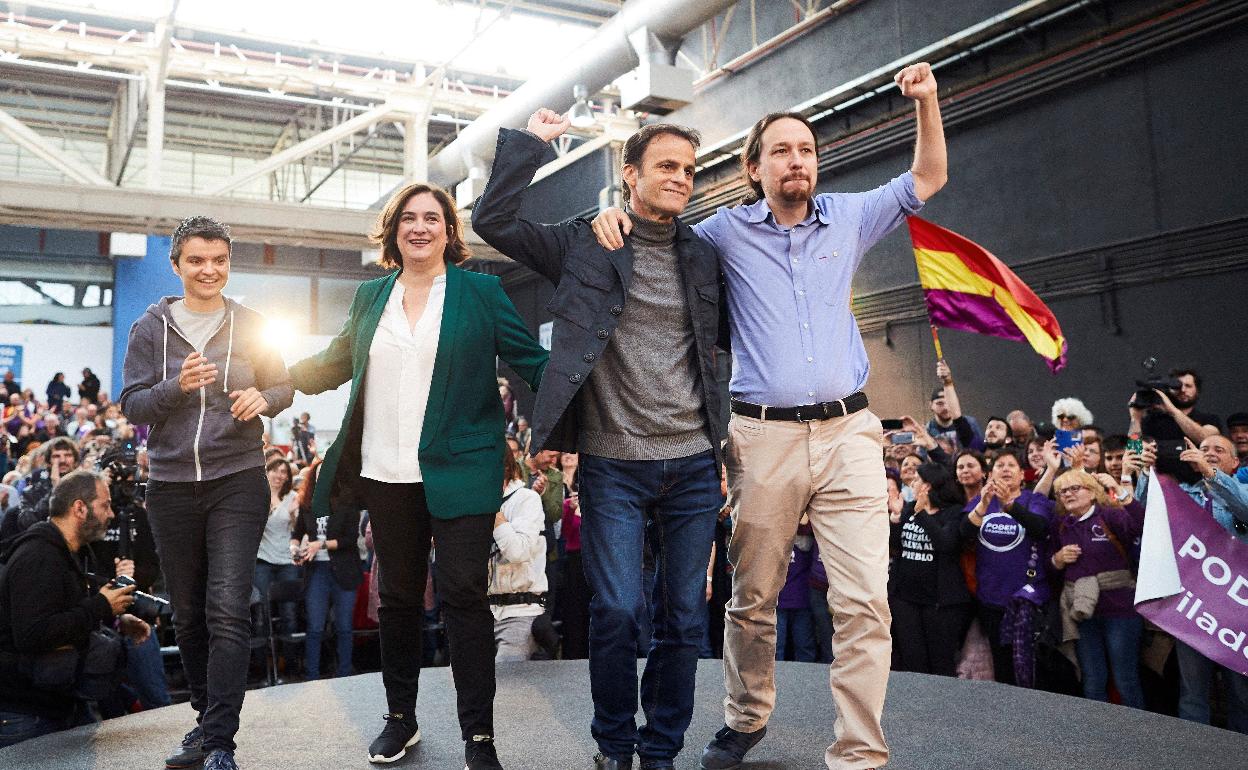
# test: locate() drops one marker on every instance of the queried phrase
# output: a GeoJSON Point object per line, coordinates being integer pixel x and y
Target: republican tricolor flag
{"type": "Point", "coordinates": [969, 289]}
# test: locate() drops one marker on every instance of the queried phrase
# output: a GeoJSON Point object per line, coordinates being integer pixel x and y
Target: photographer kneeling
{"type": "Point", "coordinates": [57, 651]}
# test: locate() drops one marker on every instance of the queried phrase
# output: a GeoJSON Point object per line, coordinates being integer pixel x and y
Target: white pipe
{"type": "Point", "coordinates": [602, 59]}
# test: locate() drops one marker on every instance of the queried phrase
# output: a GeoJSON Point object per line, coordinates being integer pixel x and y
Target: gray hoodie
{"type": "Point", "coordinates": [194, 437]}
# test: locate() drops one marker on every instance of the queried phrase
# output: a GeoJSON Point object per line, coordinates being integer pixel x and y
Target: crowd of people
{"type": "Point", "coordinates": [979, 516]}
{"type": "Point", "coordinates": [1005, 552]}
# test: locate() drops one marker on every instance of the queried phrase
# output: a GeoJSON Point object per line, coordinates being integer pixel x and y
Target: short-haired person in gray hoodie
{"type": "Point", "coordinates": [198, 372]}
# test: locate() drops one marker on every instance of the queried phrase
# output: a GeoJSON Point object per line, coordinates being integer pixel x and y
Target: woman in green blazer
{"type": "Point", "coordinates": [421, 446]}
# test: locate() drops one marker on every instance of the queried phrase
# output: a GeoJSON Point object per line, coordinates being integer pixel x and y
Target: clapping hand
{"type": "Point", "coordinates": [197, 371]}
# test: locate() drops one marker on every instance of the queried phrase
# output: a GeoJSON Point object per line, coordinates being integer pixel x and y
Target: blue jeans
{"type": "Point", "coordinates": [268, 573]}
{"type": "Point", "coordinates": [1196, 677]}
{"type": "Point", "coordinates": [822, 616]}
{"type": "Point", "coordinates": [798, 627]}
{"type": "Point", "coordinates": [1111, 643]}
{"type": "Point", "coordinates": [16, 727]}
{"type": "Point", "coordinates": [323, 591]}
{"type": "Point", "coordinates": [145, 671]}
{"type": "Point", "coordinates": [617, 498]}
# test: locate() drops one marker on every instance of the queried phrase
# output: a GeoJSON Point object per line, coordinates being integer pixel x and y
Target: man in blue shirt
{"type": "Point", "coordinates": [801, 439]}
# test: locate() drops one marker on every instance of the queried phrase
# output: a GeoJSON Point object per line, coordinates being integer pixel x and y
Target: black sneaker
{"type": "Point", "coordinates": [729, 747]}
{"type": "Point", "coordinates": [220, 759]}
{"type": "Point", "coordinates": [191, 753]}
{"type": "Point", "coordinates": [603, 762]}
{"type": "Point", "coordinates": [400, 733]}
{"type": "Point", "coordinates": [479, 754]}
{"type": "Point", "coordinates": [657, 764]}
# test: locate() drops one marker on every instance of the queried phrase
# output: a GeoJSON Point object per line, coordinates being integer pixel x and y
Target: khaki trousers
{"type": "Point", "coordinates": [832, 470]}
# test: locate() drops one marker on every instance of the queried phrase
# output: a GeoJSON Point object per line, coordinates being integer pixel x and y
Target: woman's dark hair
{"type": "Point", "coordinates": [308, 490]}
{"type": "Point", "coordinates": [979, 458]}
{"type": "Point", "coordinates": [1009, 451]}
{"type": "Point", "coordinates": [753, 151]}
{"type": "Point", "coordinates": [386, 232]}
{"type": "Point", "coordinates": [276, 463]}
{"type": "Point", "coordinates": [945, 490]}
{"type": "Point", "coordinates": [195, 227]}
{"type": "Point", "coordinates": [511, 468]}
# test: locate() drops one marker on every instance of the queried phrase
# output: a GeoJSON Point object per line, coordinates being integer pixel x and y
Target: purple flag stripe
{"type": "Point", "coordinates": [971, 313]}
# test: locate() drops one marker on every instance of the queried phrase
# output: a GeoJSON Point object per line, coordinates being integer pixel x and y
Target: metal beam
{"type": "Point", "coordinates": [112, 209]}
{"type": "Point", "coordinates": [306, 147]}
{"type": "Point", "coordinates": [76, 316]}
{"type": "Point", "coordinates": [157, 70]}
{"type": "Point", "coordinates": [123, 126]}
{"type": "Point", "coordinates": [25, 137]}
{"type": "Point", "coordinates": [45, 268]}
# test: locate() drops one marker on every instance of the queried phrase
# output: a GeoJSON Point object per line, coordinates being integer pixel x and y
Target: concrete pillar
{"type": "Point", "coordinates": [137, 283]}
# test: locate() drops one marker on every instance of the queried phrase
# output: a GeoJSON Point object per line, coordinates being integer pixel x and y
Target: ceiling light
{"type": "Point", "coordinates": [581, 116]}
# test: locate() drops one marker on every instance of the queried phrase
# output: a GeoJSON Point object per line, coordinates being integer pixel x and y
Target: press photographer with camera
{"type": "Point", "coordinates": [129, 550]}
{"type": "Point", "coordinates": [52, 614]}
{"type": "Point", "coordinates": [36, 488]}
{"type": "Point", "coordinates": [1173, 397]}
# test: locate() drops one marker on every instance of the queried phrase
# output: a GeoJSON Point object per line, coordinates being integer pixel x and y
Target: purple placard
{"type": "Point", "coordinates": [1210, 612]}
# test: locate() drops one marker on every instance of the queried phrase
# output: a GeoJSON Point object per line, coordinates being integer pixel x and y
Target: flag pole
{"type": "Point", "coordinates": [940, 356]}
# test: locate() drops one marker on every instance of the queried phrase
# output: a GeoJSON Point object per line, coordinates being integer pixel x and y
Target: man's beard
{"type": "Point", "coordinates": [796, 194]}
{"type": "Point", "coordinates": [1178, 400]}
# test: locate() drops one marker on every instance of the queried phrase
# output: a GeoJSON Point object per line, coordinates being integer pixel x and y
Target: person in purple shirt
{"type": "Point", "coordinates": [1010, 528]}
{"type": "Point", "coordinates": [1090, 540]}
{"type": "Point", "coordinates": [799, 367]}
{"type": "Point", "coordinates": [795, 630]}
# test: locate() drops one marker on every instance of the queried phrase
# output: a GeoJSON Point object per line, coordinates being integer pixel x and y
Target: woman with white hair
{"type": "Point", "coordinates": [1070, 414]}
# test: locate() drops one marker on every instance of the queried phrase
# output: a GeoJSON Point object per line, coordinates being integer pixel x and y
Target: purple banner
{"type": "Point", "coordinates": [1210, 610]}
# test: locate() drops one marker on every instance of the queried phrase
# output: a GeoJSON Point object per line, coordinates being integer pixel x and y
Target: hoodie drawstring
{"type": "Point", "coordinates": [229, 351]}
{"type": "Point", "coordinates": [164, 370]}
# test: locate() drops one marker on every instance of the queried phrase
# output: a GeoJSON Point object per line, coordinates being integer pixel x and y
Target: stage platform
{"type": "Point", "coordinates": [542, 721]}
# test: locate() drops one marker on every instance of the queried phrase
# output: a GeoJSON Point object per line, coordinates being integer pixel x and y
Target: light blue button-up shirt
{"type": "Point", "coordinates": [794, 339]}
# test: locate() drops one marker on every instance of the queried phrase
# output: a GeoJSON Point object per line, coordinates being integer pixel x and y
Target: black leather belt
{"type": "Point", "coordinates": [809, 413]}
{"type": "Point", "coordinates": [517, 598]}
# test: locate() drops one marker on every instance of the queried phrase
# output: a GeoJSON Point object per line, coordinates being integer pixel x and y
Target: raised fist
{"type": "Point", "coordinates": [547, 125]}
{"type": "Point", "coordinates": [916, 81]}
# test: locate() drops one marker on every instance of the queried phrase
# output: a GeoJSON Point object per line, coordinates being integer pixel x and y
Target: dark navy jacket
{"type": "Point", "coordinates": [591, 290]}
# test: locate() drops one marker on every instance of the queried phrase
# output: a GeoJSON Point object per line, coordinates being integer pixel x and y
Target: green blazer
{"type": "Point", "coordinates": [461, 440]}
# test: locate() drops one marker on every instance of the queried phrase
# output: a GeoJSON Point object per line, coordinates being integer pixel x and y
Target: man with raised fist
{"type": "Point", "coordinates": [799, 368]}
{"type": "Point", "coordinates": [631, 387]}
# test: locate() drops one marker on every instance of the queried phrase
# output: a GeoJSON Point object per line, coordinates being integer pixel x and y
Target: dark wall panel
{"type": "Point", "coordinates": [861, 39]}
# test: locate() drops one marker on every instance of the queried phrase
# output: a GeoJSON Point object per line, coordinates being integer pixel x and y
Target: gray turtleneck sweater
{"type": "Point", "coordinates": [643, 400]}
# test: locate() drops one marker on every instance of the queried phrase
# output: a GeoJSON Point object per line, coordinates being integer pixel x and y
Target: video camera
{"type": "Point", "coordinates": [1158, 424]}
{"type": "Point", "coordinates": [126, 487]}
{"type": "Point", "coordinates": [1146, 394]}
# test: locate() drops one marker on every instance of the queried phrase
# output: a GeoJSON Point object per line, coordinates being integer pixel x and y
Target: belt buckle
{"type": "Point", "coordinates": [822, 410]}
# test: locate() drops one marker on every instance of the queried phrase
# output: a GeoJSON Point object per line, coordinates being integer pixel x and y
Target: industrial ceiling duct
{"type": "Point", "coordinates": [605, 57]}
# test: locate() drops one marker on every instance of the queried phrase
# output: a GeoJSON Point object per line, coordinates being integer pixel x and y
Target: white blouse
{"type": "Point", "coordinates": [396, 387]}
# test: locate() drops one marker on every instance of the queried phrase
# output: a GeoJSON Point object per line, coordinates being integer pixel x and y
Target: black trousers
{"type": "Point", "coordinates": [402, 528]}
{"type": "Point", "coordinates": [990, 619]}
{"type": "Point", "coordinates": [207, 534]}
{"type": "Point", "coordinates": [928, 638]}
